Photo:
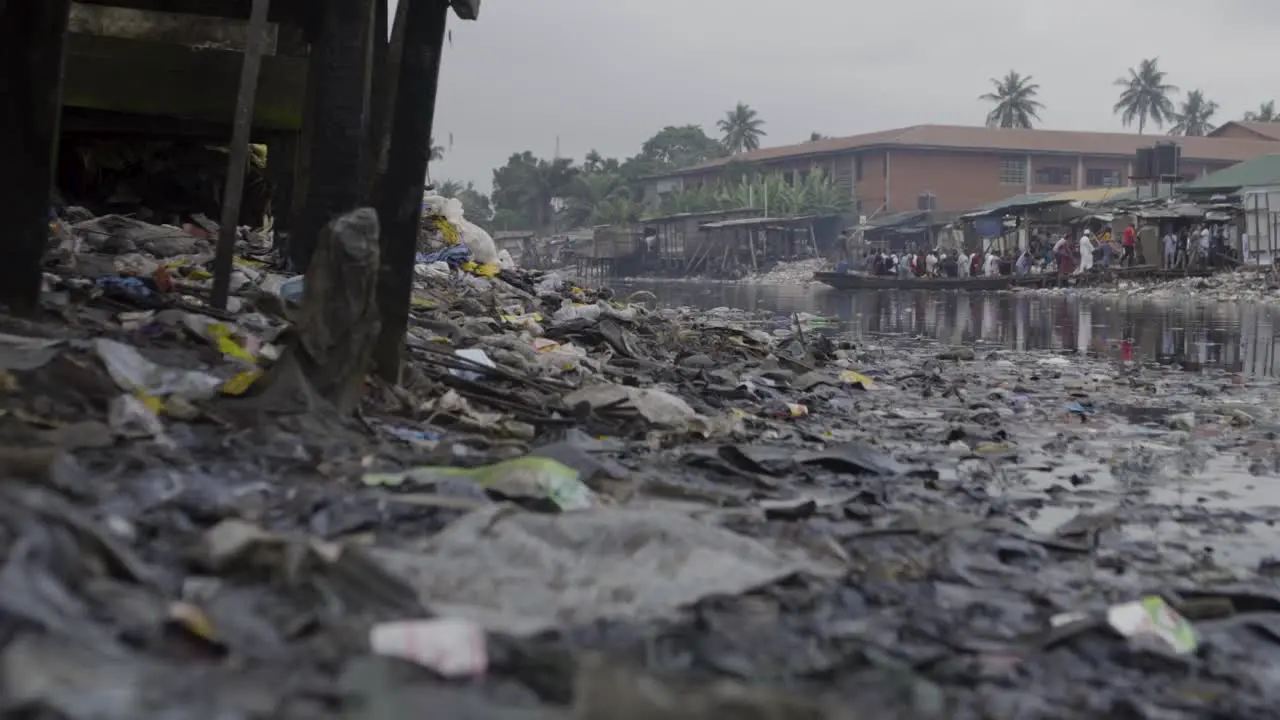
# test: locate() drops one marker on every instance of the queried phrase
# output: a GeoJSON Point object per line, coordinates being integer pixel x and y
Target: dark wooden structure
{"type": "Point", "coordinates": [346, 114]}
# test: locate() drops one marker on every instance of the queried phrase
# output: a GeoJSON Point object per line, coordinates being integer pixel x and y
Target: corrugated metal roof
{"type": "Point", "coordinates": [957, 137]}
{"type": "Point", "coordinates": [1094, 195]}
{"type": "Point", "coordinates": [1251, 173]}
{"type": "Point", "coordinates": [1013, 203]}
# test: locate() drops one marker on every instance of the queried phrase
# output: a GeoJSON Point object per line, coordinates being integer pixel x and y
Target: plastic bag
{"type": "Point", "coordinates": [483, 250]}
{"type": "Point", "coordinates": [505, 261]}
{"type": "Point", "coordinates": [526, 477]}
{"type": "Point", "coordinates": [133, 372]}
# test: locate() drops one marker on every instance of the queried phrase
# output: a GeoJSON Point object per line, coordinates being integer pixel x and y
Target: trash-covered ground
{"type": "Point", "coordinates": [1249, 285]}
{"type": "Point", "coordinates": [576, 507]}
{"type": "Point", "coordinates": [790, 272]}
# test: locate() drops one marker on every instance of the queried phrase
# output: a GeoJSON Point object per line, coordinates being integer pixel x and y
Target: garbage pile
{"type": "Point", "coordinates": [575, 505]}
{"type": "Point", "coordinates": [1249, 285]}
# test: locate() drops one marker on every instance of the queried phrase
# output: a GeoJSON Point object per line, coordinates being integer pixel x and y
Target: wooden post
{"type": "Point", "coordinates": [238, 154]}
{"type": "Point", "coordinates": [337, 133]}
{"type": "Point", "coordinates": [400, 197]}
{"type": "Point", "coordinates": [32, 33]}
{"type": "Point", "coordinates": [379, 95]}
{"type": "Point", "coordinates": [282, 162]}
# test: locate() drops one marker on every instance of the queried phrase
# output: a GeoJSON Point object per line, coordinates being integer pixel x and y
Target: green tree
{"type": "Point", "coordinates": [529, 187]}
{"type": "Point", "coordinates": [1266, 113]}
{"type": "Point", "coordinates": [1015, 101]}
{"type": "Point", "coordinates": [1145, 96]}
{"type": "Point", "coordinates": [591, 198]}
{"type": "Point", "coordinates": [679, 146]}
{"type": "Point", "coordinates": [816, 136]}
{"type": "Point", "coordinates": [741, 129]}
{"type": "Point", "coordinates": [449, 188]}
{"type": "Point", "coordinates": [1193, 117]}
{"type": "Point", "coordinates": [475, 204]}
{"type": "Point", "coordinates": [437, 151]}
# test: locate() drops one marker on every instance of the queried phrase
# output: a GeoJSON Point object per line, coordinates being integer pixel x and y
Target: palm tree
{"type": "Point", "coordinates": [741, 129]}
{"type": "Point", "coordinates": [1266, 113]}
{"type": "Point", "coordinates": [1015, 102]}
{"type": "Point", "coordinates": [541, 184]}
{"type": "Point", "coordinates": [592, 162]}
{"type": "Point", "coordinates": [1145, 96]}
{"type": "Point", "coordinates": [449, 188]}
{"type": "Point", "coordinates": [437, 151]}
{"type": "Point", "coordinates": [1193, 117]}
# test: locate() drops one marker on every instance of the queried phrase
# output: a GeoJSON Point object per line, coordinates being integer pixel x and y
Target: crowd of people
{"type": "Point", "coordinates": [1070, 253]}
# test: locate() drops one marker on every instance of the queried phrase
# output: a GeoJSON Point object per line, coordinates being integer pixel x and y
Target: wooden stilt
{"type": "Point", "coordinates": [32, 33]}
{"type": "Point", "coordinates": [337, 138]}
{"type": "Point", "coordinates": [400, 197]}
{"type": "Point", "coordinates": [282, 160]}
{"type": "Point", "coordinates": [238, 153]}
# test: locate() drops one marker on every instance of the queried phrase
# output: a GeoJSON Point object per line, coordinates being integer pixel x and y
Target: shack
{"type": "Point", "coordinates": [735, 248]}
{"type": "Point", "coordinates": [671, 240]}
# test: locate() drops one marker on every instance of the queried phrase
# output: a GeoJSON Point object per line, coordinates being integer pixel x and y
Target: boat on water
{"type": "Point", "coordinates": [862, 281]}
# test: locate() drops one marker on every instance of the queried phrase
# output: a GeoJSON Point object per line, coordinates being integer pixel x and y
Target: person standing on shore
{"type": "Point", "coordinates": [1086, 253]}
{"type": "Point", "coordinates": [1170, 249]}
{"type": "Point", "coordinates": [1130, 242]}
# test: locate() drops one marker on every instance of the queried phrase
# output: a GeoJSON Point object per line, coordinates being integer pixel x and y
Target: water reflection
{"type": "Point", "coordinates": [1239, 338]}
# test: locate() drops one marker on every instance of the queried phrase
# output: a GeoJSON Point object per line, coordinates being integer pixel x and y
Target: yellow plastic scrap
{"type": "Point", "coordinates": [246, 262]}
{"type": "Point", "coordinates": [241, 382]}
{"type": "Point", "coordinates": [193, 620]}
{"type": "Point", "coordinates": [227, 345]}
{"type": "Point", "coordinates": [854, 378]}
{"type": "Point", "coordinates": [447, 230]}
{"type": "Point", "coordinates": [153, 403]}
{"type": "Point", "coordinates": [422, 302]}
{"type": "Point", "coordinates": [487, 270]}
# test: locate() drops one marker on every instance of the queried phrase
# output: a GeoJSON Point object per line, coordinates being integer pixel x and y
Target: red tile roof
{"type": "Point", "coordinates": [960, 137]}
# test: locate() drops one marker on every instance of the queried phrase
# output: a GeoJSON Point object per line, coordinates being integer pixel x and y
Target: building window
{"type": "Point", "coordinates": [1053, 176]}
{"type": "Point", "coordinates": [857, 168]}
{"type": "Point", "coordinates": [1102, 178]}
{"type": "Point", "coordinates": [1013, 171]}
{"type": "Point", "coordinates": [789, 177]}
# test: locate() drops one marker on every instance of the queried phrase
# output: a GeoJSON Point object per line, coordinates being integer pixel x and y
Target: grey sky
{"type": "Point", "coordinates": [607, 74]}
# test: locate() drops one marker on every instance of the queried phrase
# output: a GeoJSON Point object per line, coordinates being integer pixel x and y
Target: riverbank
{"type": "Point", "coordinates": [526, 525]}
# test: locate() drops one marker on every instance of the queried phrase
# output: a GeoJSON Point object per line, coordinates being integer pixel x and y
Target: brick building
{"type": "Point", "coordinates": [964, 167]}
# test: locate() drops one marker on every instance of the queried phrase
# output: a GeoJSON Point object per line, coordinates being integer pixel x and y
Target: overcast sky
{"type": "Point", "coordinates": [607, 74]}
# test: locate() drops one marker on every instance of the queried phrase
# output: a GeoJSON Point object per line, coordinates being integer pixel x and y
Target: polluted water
{"type": "Point", "coordinates": [584, 503]}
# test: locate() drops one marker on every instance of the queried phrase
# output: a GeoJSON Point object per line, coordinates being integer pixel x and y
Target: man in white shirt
{"type": "Point", "coordinates": [992, 265]}
{"type": "Point", "coordinates": [1204, 245]}
{"type": "Point", "coordinates": [962, 261]}
{"type": "Point", "coordinates": [931, 264]}
{"type": "Point", "coordinates": [1170, 250]}
{"type": "Point", "coordinates": [1086, 253]}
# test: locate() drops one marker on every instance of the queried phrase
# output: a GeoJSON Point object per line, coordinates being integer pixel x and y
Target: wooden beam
{"type": "Point", "coordinates": [338, 134]}
{"type": "Point", "coordinates": [153, 78]}
{"type": "Point", "coordinates": [238, 155]}
{"type": "Point", "coordinates": [32, 33]}
{"type": "Point", "coordinates": [284, 11]}
{"type": "Point", "coordinates": [400, 199]}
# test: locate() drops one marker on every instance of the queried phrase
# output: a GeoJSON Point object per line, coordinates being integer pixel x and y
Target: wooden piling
{"type": "Point", "coordinates": [336, 135]}
{"type": "Point", "coordinates": [32, 33]}
{"type": "Point", "coordinates": [238, 153]}
{"type": "Point", "coordinates": [400, 198]}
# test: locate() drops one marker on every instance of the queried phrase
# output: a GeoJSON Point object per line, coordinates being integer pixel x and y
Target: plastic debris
{"type": "Point", "coordinates": [452, 647]}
